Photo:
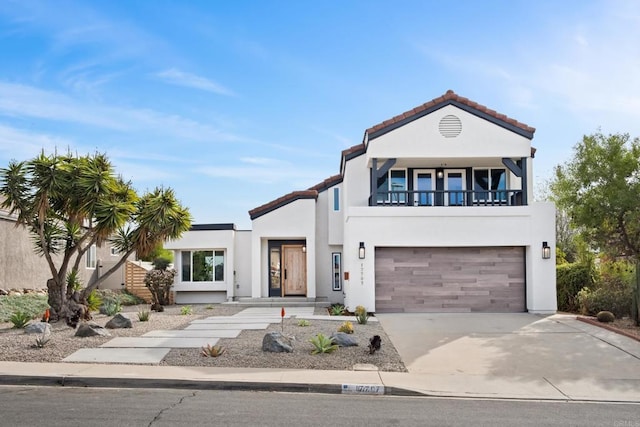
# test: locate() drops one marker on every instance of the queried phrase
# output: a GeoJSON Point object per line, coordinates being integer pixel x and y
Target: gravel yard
{"type": "Point", "coordinates": [245, 351]}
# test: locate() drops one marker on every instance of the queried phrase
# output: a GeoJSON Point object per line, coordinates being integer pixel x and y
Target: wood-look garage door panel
{"type": "Point", "coordinates": [450, 279]}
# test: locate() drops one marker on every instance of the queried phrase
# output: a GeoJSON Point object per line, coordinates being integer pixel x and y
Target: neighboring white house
{"type": "Point", "coordinates": [432, 212]}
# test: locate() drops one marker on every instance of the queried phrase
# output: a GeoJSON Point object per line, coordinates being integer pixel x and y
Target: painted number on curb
{"type": "Point", "coordinates": [362, 389]}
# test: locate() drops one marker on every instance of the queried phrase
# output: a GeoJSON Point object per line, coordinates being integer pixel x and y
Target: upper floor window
{"type": "Point", "coordinates": [487, 184]}
{"type": "Point", "coordinates": [114, 251]}
{"type": "Point", "coordinates": [392, 187]}
{"type": "Point", "coordinates": [91, 257]}
{"type": "Point", "coordinates": [202, 266]}
{"type": "Point", "coordinates": [336, 199]}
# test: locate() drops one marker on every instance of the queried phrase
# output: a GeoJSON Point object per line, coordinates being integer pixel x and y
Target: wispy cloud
{"type": "Point", "coordinates": [22, 144]}
{"type": "Point", "coordinates": [181, 78]}
{"type": "Point", "coordinates": [18, 100]}
{"type": "Point", "coordinates": [265, 171]}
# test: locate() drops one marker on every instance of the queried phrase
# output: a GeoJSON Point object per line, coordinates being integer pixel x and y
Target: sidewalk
{"type": "Point", "coordinates": [374, 382]}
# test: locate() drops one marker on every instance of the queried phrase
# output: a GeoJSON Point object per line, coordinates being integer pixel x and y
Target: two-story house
{"type": "Point", "coordinates": [432, 212]}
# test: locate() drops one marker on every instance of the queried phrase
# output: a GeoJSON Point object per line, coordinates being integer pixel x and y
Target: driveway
{"type": "Point", "coordinates": [519, 346]}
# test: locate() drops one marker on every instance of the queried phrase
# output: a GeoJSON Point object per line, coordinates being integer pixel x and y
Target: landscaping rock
{"type": "Point", "coordinates": [119, 321]}
{"type": "Point", "coordinates": [275, 342]}
{"type": "Point", "coordinates": [344, 340]}
{"type": "Point", "coordinates": [3, 292]}
{"type": "Point", "coordinates": [91, 329]}
{"type": "Point", "coordinates": [605, 317]}
{"type": "Point", "coordinates": [38, 328]}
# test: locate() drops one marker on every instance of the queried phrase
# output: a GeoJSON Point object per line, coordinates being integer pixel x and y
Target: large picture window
{"type": "Point", "coordinates": [202, 266]}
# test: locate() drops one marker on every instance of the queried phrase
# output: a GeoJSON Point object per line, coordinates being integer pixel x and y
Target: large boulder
{"type": "Point", "coordinates": [275, 342]}
{"type": "Point", "coordinates": [38, 328]}
{"type": "Point", "coordinates": [119, 321]}
{"type": "Point", "coordinates": [343, 340]}
{"type": "Point", "coordinates": [91, 329]}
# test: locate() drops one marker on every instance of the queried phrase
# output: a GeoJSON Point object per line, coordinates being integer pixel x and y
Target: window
{"type": "Point", "coordinates": [336, 199]}
{"type": "Point", "coordinates": [487, 183]}
{"type": "Point", "coordinates": [336, 265]}
{"type": "Point", "coordinates": [91, 257]}
{"type": "Point", "coordinates": [454, 184]}
{"type": "Point", "coordinates": [114, 251]}
{"type": "Point", "coordinates": [202, 266]}
{"type": "Point", "coordinates": [392, 187]}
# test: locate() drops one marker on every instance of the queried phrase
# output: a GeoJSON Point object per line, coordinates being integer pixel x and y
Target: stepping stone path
{"type": "Point", "coordinates": [153, 346]}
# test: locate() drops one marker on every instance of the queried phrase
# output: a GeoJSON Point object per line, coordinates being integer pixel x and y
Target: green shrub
{"type": "Point", "coordinates": [323, 344]}
{"type": "Point", "coordinates": [615, 300]}
{"type": "Point", "coordinates": [126, 298]}
{"type": "Point", "coordinates": [185, 310]}
{"type": "Point", "coordinates": [94, 300]}
{"type": "Point", "coordinates": [143, 315]}
{"type": "Point", "coordinates": [32, 304]}
{"type": "Point", "coordinates": [303, 322]}
{"type": "Point", "coordinates": [111, 307]}
{"type": "Point", "coordinates": [20, 319]}
{"type": "Point", "coordinates": [605, 317]}
{"type": "Point", "coordinates": [570, 278]}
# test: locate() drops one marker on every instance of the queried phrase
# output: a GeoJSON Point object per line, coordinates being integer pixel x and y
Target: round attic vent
{"type": "Point", "coordinates": [450, 126]}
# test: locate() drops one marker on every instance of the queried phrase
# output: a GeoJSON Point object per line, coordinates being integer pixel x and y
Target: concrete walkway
{"type": "Point", "coordinates": [153, 346]}
{"type": "Point", "coordinates": [519, 356]}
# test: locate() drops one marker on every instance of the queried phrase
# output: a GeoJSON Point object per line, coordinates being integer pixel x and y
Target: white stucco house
{"type": "Point", "coordinates": [432, 212]}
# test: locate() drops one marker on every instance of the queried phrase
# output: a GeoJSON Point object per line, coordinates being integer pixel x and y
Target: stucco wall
{"type": "Point", "coordinates": [243, 263]}
{"type": "Point", "coordinates": [526, 226]}
{"type": "Point", "coordinates": [294, 221]}
{"type": "Point", "coordinates": [421, 138]}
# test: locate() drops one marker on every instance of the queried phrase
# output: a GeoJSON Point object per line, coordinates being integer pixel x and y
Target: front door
{"type": "Point", "coordinates": [294, 270]}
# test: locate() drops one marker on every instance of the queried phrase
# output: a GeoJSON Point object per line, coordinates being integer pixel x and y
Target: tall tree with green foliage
{"type": "Point", "coordinates": [69, 202]}
{"type": "Point", "coordinates": [599, 188]}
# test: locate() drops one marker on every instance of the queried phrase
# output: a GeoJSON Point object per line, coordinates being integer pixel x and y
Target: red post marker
{"type": "Point", "coordinates": [282, 312]}
{"type": "Point", "coordinates": [282, 319]}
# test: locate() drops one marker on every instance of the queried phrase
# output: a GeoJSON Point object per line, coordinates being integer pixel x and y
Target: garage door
{"type": "Point", "coordinates": [490, 280]}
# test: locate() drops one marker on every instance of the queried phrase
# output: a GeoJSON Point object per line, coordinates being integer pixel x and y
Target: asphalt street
{"type": "Point", "coordinates": [69, 406]}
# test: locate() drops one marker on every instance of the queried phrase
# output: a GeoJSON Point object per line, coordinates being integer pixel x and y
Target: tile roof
{"type": "Point", "coordinates": [281, 201]}
{"type": "Point", "coordinates": [448, 98]}
{"type": "Point", "coordinates": [327, 183]}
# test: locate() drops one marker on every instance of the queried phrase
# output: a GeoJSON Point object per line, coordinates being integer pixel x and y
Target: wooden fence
{"type": "Point", "coordinates": [134, 282]}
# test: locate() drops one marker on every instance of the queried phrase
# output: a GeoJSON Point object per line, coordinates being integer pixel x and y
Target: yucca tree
{"type": "Point", "coordinates": [70, 202]}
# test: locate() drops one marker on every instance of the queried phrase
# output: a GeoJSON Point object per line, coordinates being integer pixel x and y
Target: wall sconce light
{"type": "Point", "coordinates": [304, 249]}
{"type": "Point", "coordinates": [440, 174]}
{"type": "Point", "coordinates": [361, 251]}
{"type": "Point", "coordinates": [546, 251]}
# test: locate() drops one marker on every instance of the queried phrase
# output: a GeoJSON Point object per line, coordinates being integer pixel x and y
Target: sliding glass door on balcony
{"type": "Point", "coordinates": [424, 185]}
{"type": "Point", "coordinates": [455, 186]}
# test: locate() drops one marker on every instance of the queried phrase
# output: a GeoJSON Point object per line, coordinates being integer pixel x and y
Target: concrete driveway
{"type": "Point", "coordinates": [512, 348]}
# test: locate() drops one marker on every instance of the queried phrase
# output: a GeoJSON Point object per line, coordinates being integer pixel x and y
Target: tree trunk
{"type": "Point", "coordinates": [70, 308]}
{"type": "Point", "coordinates": [57, 300]}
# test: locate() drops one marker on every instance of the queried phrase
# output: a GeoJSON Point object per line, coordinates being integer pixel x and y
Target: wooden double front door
{"type": "Point", "coordinates": [287, 269]}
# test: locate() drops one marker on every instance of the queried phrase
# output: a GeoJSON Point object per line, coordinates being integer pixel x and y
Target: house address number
{"type": "Point", "coordinates": [362, 389]}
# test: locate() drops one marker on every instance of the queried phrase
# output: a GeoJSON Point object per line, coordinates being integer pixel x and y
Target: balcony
{"type": "Point", "coordinates": [448, 198]}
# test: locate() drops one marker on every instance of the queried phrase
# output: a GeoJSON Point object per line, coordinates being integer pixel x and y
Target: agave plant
{"type": "Point", "coordinates": [212, 351]}
{"type": "Point", "coordinates": [323, 344]}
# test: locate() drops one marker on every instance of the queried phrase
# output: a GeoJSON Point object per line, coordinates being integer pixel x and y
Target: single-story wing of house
{"type": "Point", "coordinates": [432, 212]}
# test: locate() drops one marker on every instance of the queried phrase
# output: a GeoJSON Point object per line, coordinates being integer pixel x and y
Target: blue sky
{"type": "Point", "coordinates": [236, 103]}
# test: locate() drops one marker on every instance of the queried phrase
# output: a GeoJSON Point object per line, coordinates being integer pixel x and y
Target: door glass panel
{"type": "Point", "coordinates": [481, 185]}
{"type": "Point", "coordinates": [398, 186]}
{"type": "Point", "coordinates": [499, 182]}
{"type": "Point", "coordinates": [455, 186]}
{"type": "Point", "coordinates": [274, 268]}
{"type": "Point", "coordinates": [424, 184]}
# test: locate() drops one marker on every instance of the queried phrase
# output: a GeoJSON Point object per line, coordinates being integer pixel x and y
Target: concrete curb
{"type": "Point", "coordinates": [102, 382]}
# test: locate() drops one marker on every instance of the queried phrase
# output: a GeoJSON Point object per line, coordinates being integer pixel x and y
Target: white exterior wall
{"type": "Point", "coordinates": [328, 240]}
{"type": "Point", "coordinates": [421, 138]}
{"type": "Point", "coordinates": [204, 292]}
{"type": "Point", "coordinates": [294, 221]}
{"type": "Point", "coordinates": [242, 264]}
{"type": "Point", "coordinates": [526, 226]}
